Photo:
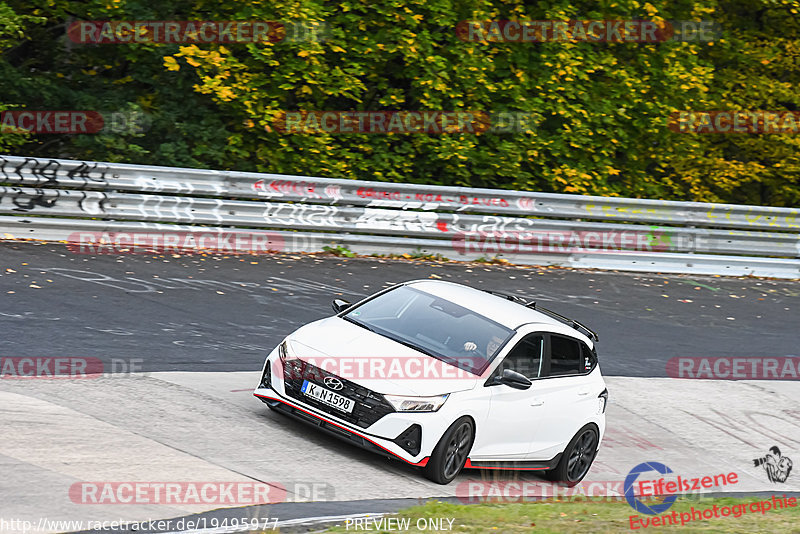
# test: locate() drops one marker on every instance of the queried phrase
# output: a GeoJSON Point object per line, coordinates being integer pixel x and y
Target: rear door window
{"type": "Point", "coordinates": [566, 356]}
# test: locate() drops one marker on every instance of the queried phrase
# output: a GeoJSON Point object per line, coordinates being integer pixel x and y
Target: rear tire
{"type": "Point", "coordinates": [577, 458]}
{"type": "Point", "coordinates": [450, 454]}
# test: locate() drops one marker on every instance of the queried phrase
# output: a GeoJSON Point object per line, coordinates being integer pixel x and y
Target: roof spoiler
{"type": "Point", "coordinates": [580, 327]}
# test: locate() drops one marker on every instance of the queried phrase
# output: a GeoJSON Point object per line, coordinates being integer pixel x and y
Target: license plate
{"type": "Point", "coordinates": [327, 396]}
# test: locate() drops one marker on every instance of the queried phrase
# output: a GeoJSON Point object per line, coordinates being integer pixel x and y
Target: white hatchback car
{"type": "Point", "coordinates": [443, 377]}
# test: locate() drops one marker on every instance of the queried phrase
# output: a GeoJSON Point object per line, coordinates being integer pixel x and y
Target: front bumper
{"type": "Point", "coordinates": [341, 430]}
{"type": "Point", "coordinates": [410, 437]}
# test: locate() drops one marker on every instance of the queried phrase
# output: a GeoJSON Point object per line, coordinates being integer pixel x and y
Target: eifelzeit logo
{"type": "Point", "coordinates": [777, 466]}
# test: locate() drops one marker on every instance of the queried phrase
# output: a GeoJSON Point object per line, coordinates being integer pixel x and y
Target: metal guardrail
{"type": "Point", "coordinates": [68, 200]}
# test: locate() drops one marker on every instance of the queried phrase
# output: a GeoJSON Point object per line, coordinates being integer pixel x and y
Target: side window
{"type": "Point", "coordinates": [525, 358]}
{"type": "Point", "coordinates": [566, 356]}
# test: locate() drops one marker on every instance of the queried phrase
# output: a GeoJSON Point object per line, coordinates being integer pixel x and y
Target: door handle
{"type": "Point", "coordinates": [537, 403]}
{"type": "Point", "coordinates": [582, 393]}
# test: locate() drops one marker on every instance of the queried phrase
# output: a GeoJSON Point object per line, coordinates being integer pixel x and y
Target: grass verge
{"type": "Point", "coordinates": [583, 516]}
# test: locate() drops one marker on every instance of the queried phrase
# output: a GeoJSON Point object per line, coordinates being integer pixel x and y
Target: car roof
{"type": "Point", "coordinates": [501, 310]}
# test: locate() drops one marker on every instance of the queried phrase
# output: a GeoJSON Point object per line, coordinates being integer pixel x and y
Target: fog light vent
{"type": "Point", "coordinates": [266, 378]}
{"type": "Point", "coordinates": [410, 440]}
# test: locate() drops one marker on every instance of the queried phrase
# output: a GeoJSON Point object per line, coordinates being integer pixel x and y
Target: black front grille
{"type": "Point", "coordinates": [369, 406]}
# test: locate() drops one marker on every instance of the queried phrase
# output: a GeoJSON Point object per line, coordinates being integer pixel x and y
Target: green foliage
{"type": "Point", "coordinates": [600, 109]}
{"type": "Point", "coordinates": [11, 31]}
{"type": "Point", "coordinates": [339, 250]}
{"type": "Point", "coordinates": [494, 260]}
{"type": "Point", "coordinates": [420, 254]}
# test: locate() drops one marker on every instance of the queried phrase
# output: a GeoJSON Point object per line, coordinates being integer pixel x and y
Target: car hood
{"type": "Point", "coordinates": [374, 361]}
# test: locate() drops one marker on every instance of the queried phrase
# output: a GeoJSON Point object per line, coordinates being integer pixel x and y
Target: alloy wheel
{"type": "Point", "coordinates": [581, 455]}
{"type": "Point", "coordinates": [457, 450]}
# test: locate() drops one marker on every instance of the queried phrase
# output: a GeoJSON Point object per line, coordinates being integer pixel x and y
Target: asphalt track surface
{"type": "Point", "coordinates": [212, 313]}
{"type": "Point", "coordinates": [198, 327]}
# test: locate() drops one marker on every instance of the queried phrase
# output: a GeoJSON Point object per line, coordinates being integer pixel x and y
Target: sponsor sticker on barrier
{"type": "Point", "coordinates": [374, 195]}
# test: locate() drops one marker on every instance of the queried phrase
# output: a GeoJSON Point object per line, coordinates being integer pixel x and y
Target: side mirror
{"type": "Point", "coordinates": [514, 380]}
{"type": "Point", "coordinates": [340, 305]}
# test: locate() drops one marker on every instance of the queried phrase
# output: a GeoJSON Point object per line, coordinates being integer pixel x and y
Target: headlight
{"type": "Point", "coordinates": [285, 353]}
{"type": "Point", "coordinates": [416, 404]}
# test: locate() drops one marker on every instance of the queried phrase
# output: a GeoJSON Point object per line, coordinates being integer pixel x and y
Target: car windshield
{"type": "Point", "coordinates": [434, 326]}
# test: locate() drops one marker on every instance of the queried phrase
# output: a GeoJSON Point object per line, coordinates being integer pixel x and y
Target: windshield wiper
{"type": "Point", "coordinates": [393, 338]}
{"type": "Point", "coordinates": [415, 347]}
{"type": "Point", "coordinates": [357, 323]}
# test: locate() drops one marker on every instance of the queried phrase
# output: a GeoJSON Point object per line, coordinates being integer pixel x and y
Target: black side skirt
{"type": "Point", "coordinates": [533, 466]}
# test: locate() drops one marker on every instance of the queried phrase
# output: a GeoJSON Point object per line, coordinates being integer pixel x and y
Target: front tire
{"type": "Point", "coordinates": [450, 454]}
{"type": "Point", "coordinates": [577, 457]}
